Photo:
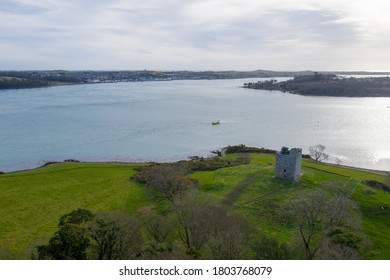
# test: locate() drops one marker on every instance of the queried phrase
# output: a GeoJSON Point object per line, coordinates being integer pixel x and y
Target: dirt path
{"type": "Point", "coordinates": [237, 191]}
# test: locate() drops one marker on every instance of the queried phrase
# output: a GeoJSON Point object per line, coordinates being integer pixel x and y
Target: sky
{"type": "Point", "coordinates": [195, 35]}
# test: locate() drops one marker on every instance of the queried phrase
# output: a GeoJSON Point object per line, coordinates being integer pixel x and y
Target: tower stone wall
{"type": "Point", "coordinates": [288, 163]}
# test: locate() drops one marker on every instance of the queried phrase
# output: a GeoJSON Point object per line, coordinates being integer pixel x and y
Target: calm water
{"type": "Point", "coordinates": [172, 120]}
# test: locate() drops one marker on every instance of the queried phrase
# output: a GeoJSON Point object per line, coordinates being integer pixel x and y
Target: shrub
{"type": "Point", "coordinates": [244, 149]}
{"type": "Point", "coordinates": [377, 185]}
{"type": "Point", "coordinates": [71, 241]}
{"type": "Point", "coordinates": [368, 191]}
{"type": "Point", "coordinates": [208, 165]}
{"type": "Point", "coordinates": [269, 248]}
{"type": "Point", "coordinates": [147, 173]}
{"type": "Point", "coordinates": [344, 237]}
{"type": "Point", "coordinates": [49, 163]}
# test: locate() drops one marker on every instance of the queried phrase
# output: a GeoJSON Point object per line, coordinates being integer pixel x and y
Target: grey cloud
{"type": "Point", "coordinates": [302, 26]}
{"type": "Point", "coordinates": [33, 37]}
{"type": "Point", "coordinates": [16, 7]}
{"type": "Point", "coordinates": [321, 26]}
{"type": "Point", "coordinates": [139, 30]}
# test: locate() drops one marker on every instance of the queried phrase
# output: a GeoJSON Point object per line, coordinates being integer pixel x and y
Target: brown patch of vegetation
{"type": "Point", "coordinates": [377, 185]}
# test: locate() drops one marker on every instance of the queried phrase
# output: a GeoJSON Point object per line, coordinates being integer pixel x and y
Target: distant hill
{"type": "Point", "coordinates": [28, 79]}
{"type": "Point", "coordinates": [25, 79]}
{"type": "Point", "coordinates": [31, 79]}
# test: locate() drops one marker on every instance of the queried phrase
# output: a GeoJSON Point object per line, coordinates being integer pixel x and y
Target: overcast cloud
{"type": "Point", "coordinates": [195, 34]}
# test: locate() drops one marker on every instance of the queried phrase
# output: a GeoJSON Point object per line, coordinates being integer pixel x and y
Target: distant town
{"type": "Point", "coordinates": [26, 79]}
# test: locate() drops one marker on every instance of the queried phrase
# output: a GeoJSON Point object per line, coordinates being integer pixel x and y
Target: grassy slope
{"type": "Point", "coordinates": [257, 199]}
{"type": "Point", "coordinates": [32, 201]}
{"type": "Point", "coordinates": [375, 221]}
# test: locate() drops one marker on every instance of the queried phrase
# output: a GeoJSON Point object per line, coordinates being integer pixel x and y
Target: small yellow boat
{"type": "Point", "coordinates": [215, 123]}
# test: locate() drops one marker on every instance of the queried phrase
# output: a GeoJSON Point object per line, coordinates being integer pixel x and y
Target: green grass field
{"type": "Point", "coordinates": [32, 201]}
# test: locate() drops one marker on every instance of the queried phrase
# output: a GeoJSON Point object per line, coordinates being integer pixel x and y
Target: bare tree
{"type": "Point", "coordinates": [106, 235]}
{"type": "Point", "coordinates": [322, 213]}
{"type": "Point", "coordinates": [227, 240]}
{"type": "Point", "coordinates": [194, 225]}
{"type": "Point", "coordinates": [158, 228]}
{"type": "Point", "coordinates": [270, 248]}
{"type": "Point", "coordinates": [204, 225]}
{"type": "Point", "coordinates": [115, 236]}
{"type": "Point", "coordinates": [165, 182]}
{"type": "Point", "coordinates": [317, 152]}
{"type": "Point", "coordinates": [307, 213]}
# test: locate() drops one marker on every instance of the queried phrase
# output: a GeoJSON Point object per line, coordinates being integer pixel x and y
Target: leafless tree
{"type": "Point", "coordinates": [194, 225]}
{"type": "Point", "coordinates": [270, 248]}
{"type": "Point", "coordinates": [115, 236]}
{"type": "Point", "coordinates": [227, 239]}
{"type": "Point", "coordinates": [158, 228]}
{"type": "Point", "coordinates": [317, 152]}
{"type": "Point", "coordinates": [307, 213]}
{"type": "Point", "coordinates": [205, 225]}
{"type": "Point", "coordinates": [165, 182]}
{"type": "Point", "coordinates": [339, 161]}
{"type": "Point", "coordinates": [321, 211]}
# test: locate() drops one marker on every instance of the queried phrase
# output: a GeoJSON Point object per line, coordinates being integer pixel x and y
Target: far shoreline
{"type": "Point", "coordinates": [27, 79]}
{"type": "Point", "coordinates": [144, 163]}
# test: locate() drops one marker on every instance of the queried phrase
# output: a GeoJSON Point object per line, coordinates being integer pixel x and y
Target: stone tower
{"type": "Point", "coordinates": [288, 163]}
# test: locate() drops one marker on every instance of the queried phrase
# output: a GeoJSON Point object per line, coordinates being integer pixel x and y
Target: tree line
{"type": "Point", "coordinates": [16, 83]}
{"type": "Point", "coordinates": [328, 85]}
